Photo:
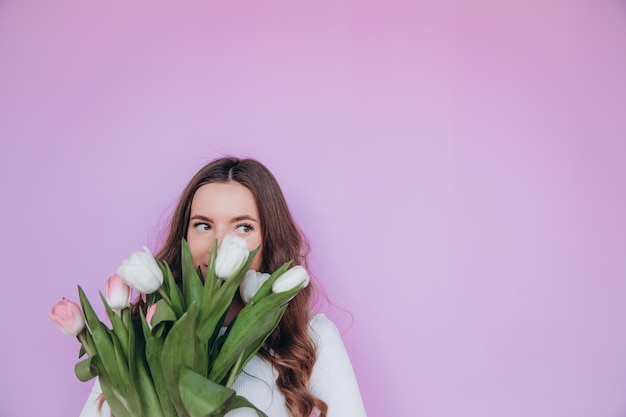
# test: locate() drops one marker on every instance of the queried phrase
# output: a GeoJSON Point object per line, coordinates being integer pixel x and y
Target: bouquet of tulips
{"type": "Point", "coordinates": [170, 356]}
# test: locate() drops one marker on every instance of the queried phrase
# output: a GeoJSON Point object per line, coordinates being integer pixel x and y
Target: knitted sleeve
{"type": "Point", "coordinates": [333, 379]}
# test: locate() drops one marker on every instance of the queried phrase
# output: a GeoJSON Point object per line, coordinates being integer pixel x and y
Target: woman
{"type": "Point", "coordinates": [303, 365]}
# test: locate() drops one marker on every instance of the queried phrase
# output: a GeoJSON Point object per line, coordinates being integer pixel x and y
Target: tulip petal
{"type": "Point", "coordinates": [251, 283]}
{"type": "Point", "coordinates": [68, 317]}
{"type": "Point", "coordinates": [295, 277]}
{"type": "Point", "coordinates": [232, 254]}
{"type": "Point", "coordinates": [141, 272]}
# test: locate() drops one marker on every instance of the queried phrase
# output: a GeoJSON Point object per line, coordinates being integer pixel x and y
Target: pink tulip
{"type": "Point", "coordinates": [118, 294]}
{"type": "Point", "coordinates": [68, 317]}
{"type": "Point", "coordinates": [149, 313]}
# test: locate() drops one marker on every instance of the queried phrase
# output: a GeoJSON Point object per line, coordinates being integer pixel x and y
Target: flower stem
{"type": "Point", "coordinates": [234, 373]}
{"type": "Point", "coordinates": [165, 296]}
{"type": "Point", "coordinates": [84, 340]}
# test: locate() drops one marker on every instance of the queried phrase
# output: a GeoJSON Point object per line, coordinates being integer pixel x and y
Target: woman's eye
{"type": "Point", "coordinates": [202, 227]}
{"type": "Point", "coordinates": [244, 228]}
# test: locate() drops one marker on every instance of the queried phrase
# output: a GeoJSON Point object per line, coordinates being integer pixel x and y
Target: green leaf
{"type": "Point", "coordinates": [254, 346]}
{"type": "Point", "coordinates": [233, 371]}
{"type": "Point", "coordinates": [152, 298]}
{"type": "Point", "coordinates": [128, 383]}
{"type": "Point", "coordinates": [150, 404]}
{"type": "Point", "coordinates": [87, 345]}
{"type": "Point", "coordinates": [192, 285]}
{"type": "Point", "coordinates": [173, 291]}
{"type": "Point", "coordinates": [101, 338]}
{"type": "Point", "coordinates": [178, 354]}
{"type": "Point", "coordinates": [121, 404]}
{"type": "Point", "coordinates": [130, 331]}
{"type": "Point", "coordinates": [253, 324]}
{"type": "Point", "coordinates": [121, 358]}
{"type": "Point", "coordinates": [113, 368]}
{"type": "Point", "coordinates": [211, 283]}
{"type": "Point", "coordinates": [118, 326]}
{"type": "Point", "coordinates": [243, 342]}
{"type": "Point", "coordinates": [210, 319]}
{"type": "Point", "coordinates": [240, 402]}
{"type": "Point", "coordinates": [162, 314]}
{"type": "Point", "coordinates": [202, 397]}
{"type": "Point", "coordinates": [153, 352]}
{"type": "Point", "coordinates": [215, 343]}
{"type": "Point", "coordinates": [86, 369]}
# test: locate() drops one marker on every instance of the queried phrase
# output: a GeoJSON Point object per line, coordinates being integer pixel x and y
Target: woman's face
{"type": "Point", "coordinates": [218, 209]}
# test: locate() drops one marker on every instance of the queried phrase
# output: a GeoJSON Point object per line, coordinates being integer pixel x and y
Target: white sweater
{"type": "Point", "coordinates": [332, 381]}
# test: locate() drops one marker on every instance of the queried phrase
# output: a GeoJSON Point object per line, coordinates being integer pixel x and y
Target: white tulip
{"type": "Point", "coordinates": [250, 284]}
{"type": "Point", "coordinates": [294, 277]}
{"type": "Point", "coordinates": [141, 272]}
{"type": "Point", "coordinates": [232, 253]}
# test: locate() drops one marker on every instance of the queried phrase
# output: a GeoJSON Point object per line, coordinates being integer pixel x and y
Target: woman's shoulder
{"type": "Point", "coordinates": [333, 379]}
{"type": "Point", "coordinates": [323, 331]}
{"type": "Point", "coordinates": [319, 322]}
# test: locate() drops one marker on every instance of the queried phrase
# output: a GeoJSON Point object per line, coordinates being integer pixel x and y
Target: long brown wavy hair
{"type": "Point", "coordinates": [289, 348]}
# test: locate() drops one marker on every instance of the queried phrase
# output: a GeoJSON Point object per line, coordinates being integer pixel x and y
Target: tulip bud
{"type": "Point", "coordinates": [150, 313]}
{"type": "Point", "coordinates": [117, 293]}
{"type": "Point", "coordinates": [141, 272]}
{"type": "Point", "coordinates": [294, 277]}
{"type": "Point", "coordinates": [250, 284]}
{"type": "Point", "coordinates": [68, 317]}
{"type": "Point", "coordinates": [232, 253]}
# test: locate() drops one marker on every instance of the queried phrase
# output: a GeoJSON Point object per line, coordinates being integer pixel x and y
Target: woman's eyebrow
{"type": "Point", "coordinates": [244, 217]}
{"type": "Point", "coordinates": [235, 219]}
{"type": "Point", "coordinates": [200, 217]}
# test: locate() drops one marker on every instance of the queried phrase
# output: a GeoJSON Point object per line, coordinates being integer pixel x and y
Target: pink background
{"type": "Point", "coordinates": [458, 166]}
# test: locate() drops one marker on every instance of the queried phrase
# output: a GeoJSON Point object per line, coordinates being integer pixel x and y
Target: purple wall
{"type": "Point", "coordinates": [459, 168]}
